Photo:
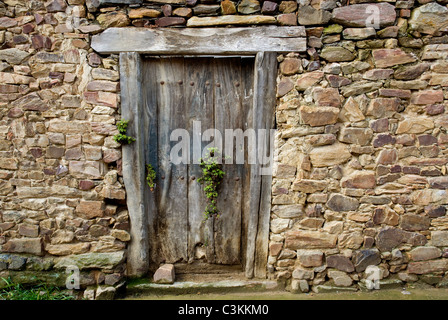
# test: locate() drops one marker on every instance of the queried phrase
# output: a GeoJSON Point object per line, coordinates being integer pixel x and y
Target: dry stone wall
{"type": "Point", "coordinates": [361, 160]}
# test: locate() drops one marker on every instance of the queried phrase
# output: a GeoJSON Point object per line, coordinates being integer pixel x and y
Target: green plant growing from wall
{"type": "Point", "coordinates": [121, 136]}
{"type": "Point", "coordinates": [212, 176]}
{"type": "Point", "coordinates": [150, 177]}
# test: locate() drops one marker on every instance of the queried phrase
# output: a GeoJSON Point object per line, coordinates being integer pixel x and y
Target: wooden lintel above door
{"type": "Point", "coordinates": [222, 41]}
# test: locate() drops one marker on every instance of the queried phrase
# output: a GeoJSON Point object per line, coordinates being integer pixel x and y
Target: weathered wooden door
{"type": "Point", "coordinates": [214, 93]}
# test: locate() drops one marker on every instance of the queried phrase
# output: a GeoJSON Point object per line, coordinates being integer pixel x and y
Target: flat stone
{"type": "Point", "coordinates": [170, 21]}
{"type": "Point", "coordinates": [411, 72]}
{"type": "Point", "coordinates": [165, 274]}
{"type": "Point", "coordinates": [113, 19]}
{"type": "Point", "coordinates": [308, 16]}
{"type": "Point", "coordinates": [301, 239]}
{"type": "Point", "coordinates": [308, 186]}
{"type": "Point", "coordinates": [24, 245]}
{"type": "Point", "coordinates": [56, 6]}
{"type": "Point", "coordinates": [331, 155]}
{"type": "Point", "coordinates": [351, 112]}
{"type": "Point", "coordinates": [429, 18]}
{"type": "Point", "coordinates": [290, 66]}
{"type": "Point", "coordinates": [438, 182]}
{"type": "Point", "coordinates": [143, 13]}
{"type": "Point", "coordinates": [427, 97]}
{"type": "Point", "coordinates": [13, 55]}
{"type": "Point", "coordinates": [340, 278]}
{"type": "Point", "coordinates": [318, 116]}
{"type": "Point", "coordinates": [284, 86]}
{"type": "Point", "coordinates": [249, 6]}
{"type": "Point", "coordinates": [358, 33]}
{"type": "Point", "coordinates": [425, 267]}
{"type": "Point", "coordinates": [6, 22]}
{"type": "Point", "coordinates": [378, 74]}
{"type": "Point", "coordinates": [364, 258]}
{"type": "Point", "coordinates": [384, 58]}
{"type": "Point", "coordinates": [90, 209]}
{"type": "Point", "coordinates": [439, 238]}
{"type": "Point", "coordinates": [415, 125]}
{"type": "Point", "coordinates": [360, 136]}
{"type": "Point", "coordinates": [390, 238]}
{"type": "Point", "coordinates": [339, 202]}
{"type": "Point", "coordinates": [359, 15]}
{"type": "Point", "coordinates": [340, 262]}
{"type": "Point", "coordinates": [359, 180]}
{"type": "Point", "coordinates": [230, 20]}
{"type": "Point", "coordinates": [228, 7]}
{"type": "Point", "coordinates": [337, 54]}
{"type": "Point", "coordinates": [360, 87]}
{"type": "Point", "coordinates": [424, 253]}
{"type": "Point", "coordinates": [105, 293]}
{"type": "Point", "coordinates": [310, 258]}
{"type": "Point", "coordinates": [287, 19]}
{"type": "Point", "coordinates": [412, 222]}
{"type": "Point", "coordinates": [92, 260]}
{"type": "Point", "coordinates": [308, 80]}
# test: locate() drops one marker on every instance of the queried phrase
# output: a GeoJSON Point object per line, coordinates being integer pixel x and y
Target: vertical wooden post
{"type": "Point", "coordinates": [134, 162]}
{"type": "Point", "coordinates": [260, 186]}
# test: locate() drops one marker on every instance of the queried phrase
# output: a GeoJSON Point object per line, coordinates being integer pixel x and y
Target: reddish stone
{"type": "Point", "coordinates": [284, 86]}
{"type": "Point", "coordinates": [269, 7]}
{"type": "Point", "coordinates": [358, 15]}
{"type": "Point", "coordinates": [384, 58]}
{"type": "Point", "coordinates": [403, 94]}
{"type": "Point", "coordinates": [170, 21]}
{"type": "Point", "coordinates": [15, 113]}
{"type": "Point", "coordinates": [387, 156]}
{"type": "Point", "coordinates": [167, 10]}
{"type": "Point", "coordinates": [28, 28]}
{"type": "Point", "coordinates": [411, 170]}
{"type": "Point", "coordinates": [435, 109]}
{"type": "Point", "coordinates": [337, 81]}
{"type": "Point", "coordinates": [427, 97]}
{"type": "Point", "coordinates": [6, 22]}
{"type": "Point", "coordinates": [427, 140]}
{"type": "Point", "coordinates": [94, 60]}
{"type": "Point", "coordinates": [290, 66]}
{"type": "Point", "coordinates": [38, 18]}
{"type": "Point", "coordinates": [327, 97]}
{"type": "Point", "coordinates": [36, 152]}
{"type": "Point", "coordinates": [56, 6]}
{"type": "Point", "coordinates": [380, 125]}
{"type": "Point", "coordinates": [86, 185]}
{"type": "Point", "coordinates": [383, 139]}
{"type": "Point", "coordinates": [287, 19]}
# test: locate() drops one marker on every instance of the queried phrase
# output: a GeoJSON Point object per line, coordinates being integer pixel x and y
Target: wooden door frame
{"type": "Point", "coordinates": [262, 42]}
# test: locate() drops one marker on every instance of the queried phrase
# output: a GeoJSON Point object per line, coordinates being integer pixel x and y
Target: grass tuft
{"type": "Point", "coordinates": [15, 291]}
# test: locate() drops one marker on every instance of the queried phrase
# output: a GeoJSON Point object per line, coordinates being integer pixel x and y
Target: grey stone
{"type": "Point", "coordinates": [92, 260]}
{"type": "Point", "coordinates": [105, 293]}
{"type": "Point", "coordinates": [13, 55]}
{"type": "Point", "coordinates": [340, 262]}
{"type": "Point", "coordinates": [339, 202]}
{"type": "Point", "coordinates": [364, 258]}
{"type": "Point", "coordinates": [165, 274]}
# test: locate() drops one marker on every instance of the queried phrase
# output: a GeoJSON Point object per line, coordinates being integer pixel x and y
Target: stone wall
{"type": "Point", "coordinates": [360, 174]}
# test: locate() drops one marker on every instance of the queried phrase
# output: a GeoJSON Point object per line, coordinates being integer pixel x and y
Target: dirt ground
{"type": "Point", "coordinates": [385, 294]}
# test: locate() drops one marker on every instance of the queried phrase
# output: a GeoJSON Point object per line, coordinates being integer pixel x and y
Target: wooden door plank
{"type": "Point", "coordinates": [171, 224]}
{"type": "Point", "coordinates": [199, 104]}
{"type": "Point", "coordinates": [247, 83]}
{"type": "Point", "coordinates": [228, 115]}
{"type": "Point", "coordinates": [133, 163]}
{"type": "Point", "coordinates": [150, 140]}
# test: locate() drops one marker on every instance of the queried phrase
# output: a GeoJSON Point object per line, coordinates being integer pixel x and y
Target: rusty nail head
{"type": "Point", "coordinates": [162, 82]}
